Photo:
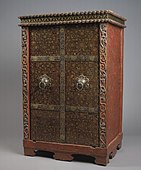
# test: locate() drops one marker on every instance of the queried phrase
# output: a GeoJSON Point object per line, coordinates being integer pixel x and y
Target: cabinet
{"type": "Point", "coordinates": [72, 69]}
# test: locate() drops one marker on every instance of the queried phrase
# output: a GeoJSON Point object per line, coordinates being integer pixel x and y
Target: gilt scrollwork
{"type": "Point", "coordinates": [25, 78]}
{"type": "Point", "coordinates": [103, 43]}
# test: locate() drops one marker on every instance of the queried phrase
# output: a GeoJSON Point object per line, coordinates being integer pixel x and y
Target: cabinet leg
{"type": "Point", "coordinates": [29, 152]}
{"type": "Point", "coordinates": [102, 160]}
{"type": "Point", "coordinates": [119, 146]}
{"type": "Point", "coordinates": [112, 154]}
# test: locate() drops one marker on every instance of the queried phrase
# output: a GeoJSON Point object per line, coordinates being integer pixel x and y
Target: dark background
{"type": "Point", "coordinates": [11, 85]}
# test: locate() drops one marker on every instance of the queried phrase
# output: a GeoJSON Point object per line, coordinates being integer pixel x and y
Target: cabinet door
{"type": "Point", "coordinates": [64, 84]}
{"type": "Point", "coordinates": [82, 84]}
{"type": "Point", "coordinates": [44, 83]}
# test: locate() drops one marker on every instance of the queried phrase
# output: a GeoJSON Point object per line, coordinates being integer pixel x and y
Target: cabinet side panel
{"type": "Point", "coordinates": [114, 81]}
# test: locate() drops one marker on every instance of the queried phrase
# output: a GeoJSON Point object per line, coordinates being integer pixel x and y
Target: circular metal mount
{"type": "Point", "coordinates": [82, 82]}
{"type": "Point", "coordinates": [45, 82]}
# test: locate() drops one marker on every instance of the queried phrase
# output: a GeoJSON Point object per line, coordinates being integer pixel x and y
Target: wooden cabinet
{"type": "Point", "coordinates": [72, 84]}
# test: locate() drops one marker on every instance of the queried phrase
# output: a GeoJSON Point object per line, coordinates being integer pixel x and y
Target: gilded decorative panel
{"type": "Point", "coordinates": [82, 128]}
{"type": "Point", "coordinates": [44, 41]}
{"type": "Point", "coordinates": [45, 126]}
{"type": "Point", "coordinates": [51, 95]}
{"type": "Point", "coordinates": [82, 39]}
{"type": "Point", "coordinates": [85, 97]}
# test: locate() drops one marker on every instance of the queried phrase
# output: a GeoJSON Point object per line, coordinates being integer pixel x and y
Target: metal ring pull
{"type": "Point", "coordinates": [82, 82]}
{"type": "Point", "coordinates": [45, 82]}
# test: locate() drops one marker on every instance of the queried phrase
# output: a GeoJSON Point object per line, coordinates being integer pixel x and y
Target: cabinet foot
{"type": "Point", "coordinates": [113, 153]}
{"type": "Point", "coordinates": [119, 146]}
{"type": "Point", "coordinates": [29, 152]}
{"type": "Point", "coordinates": [102, 160]}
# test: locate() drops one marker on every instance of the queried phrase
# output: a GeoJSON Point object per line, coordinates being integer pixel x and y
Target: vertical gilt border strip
{"type": "Point", "coordinates": [103, 43]}
{"type": "Point", "coordinates": [62, 85]}
{"type": "Point", "coordinates": [25, 82]}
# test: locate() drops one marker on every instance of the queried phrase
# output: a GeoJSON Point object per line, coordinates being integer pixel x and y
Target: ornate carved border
{"type": "Point", "coordinates": [74, 17]}
{"type": "Point", "coordinates": [103, 43]}
{"type": "Point", "coordinates": [25, 78]}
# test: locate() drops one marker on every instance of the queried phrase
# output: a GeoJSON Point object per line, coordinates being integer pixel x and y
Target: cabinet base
{"type": "Point", "coordinates": [66, 152]}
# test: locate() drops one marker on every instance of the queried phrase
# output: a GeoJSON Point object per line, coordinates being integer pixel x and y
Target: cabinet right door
{"type": "Point", "coordinates": [82, 84]}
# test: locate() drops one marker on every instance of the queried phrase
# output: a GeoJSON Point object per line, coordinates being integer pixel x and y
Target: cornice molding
{"type": "Point", "coordinates": [73, 18]}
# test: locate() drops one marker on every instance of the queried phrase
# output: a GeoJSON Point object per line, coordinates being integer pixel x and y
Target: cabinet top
{"type": "Point", "coordinates": [73, 18]}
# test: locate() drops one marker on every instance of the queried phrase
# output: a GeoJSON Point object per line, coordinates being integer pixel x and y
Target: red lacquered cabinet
{"type": "Point", "coordinates": [72, 72]}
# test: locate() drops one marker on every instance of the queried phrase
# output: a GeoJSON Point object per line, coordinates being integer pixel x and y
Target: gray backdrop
{"type": "Point", "coordinates": [10, 73]}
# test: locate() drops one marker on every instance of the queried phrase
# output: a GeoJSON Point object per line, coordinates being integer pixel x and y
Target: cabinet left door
{"type": "Point", "coordinates": [44, 80]}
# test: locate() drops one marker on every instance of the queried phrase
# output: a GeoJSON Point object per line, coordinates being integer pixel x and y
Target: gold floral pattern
{"type": "Point", "coordinates": [86, 97]}
{"type": "Point", "coordinates": [44, 41]}
{"type": "Point", "coordinates": [45, 126]}
{"type": "Point", "coordinates": [82, 128]}
{"type": "Point", "coordinates": [50, 96]}
{"type": "Point", "coordinates": [82, 39]}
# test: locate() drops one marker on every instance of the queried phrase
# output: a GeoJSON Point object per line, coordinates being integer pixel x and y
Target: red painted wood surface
{"type": "Point", "coordinates": [114, 81]}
